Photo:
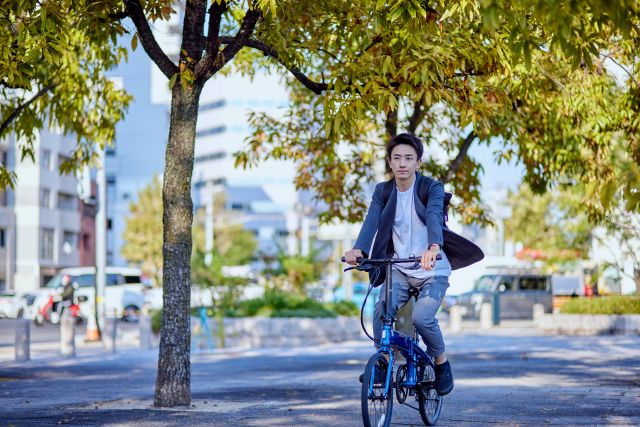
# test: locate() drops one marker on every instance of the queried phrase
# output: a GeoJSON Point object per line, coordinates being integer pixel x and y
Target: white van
{"type": "Point", "coordinates": [124, 291]}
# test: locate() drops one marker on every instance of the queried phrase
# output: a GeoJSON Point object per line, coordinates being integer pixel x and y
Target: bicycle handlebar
{"type": "Point", "coordinates": [361, 261]}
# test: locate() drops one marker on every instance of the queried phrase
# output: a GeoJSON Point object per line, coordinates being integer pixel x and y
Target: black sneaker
{"type": "Point", "coordinates": [361, 377]}
{"type": "Point", "coordinates": [444, 379]}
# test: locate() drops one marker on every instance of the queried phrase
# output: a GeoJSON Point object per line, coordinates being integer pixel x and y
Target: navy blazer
{"type": "Point", "coordinates": [379, 221]}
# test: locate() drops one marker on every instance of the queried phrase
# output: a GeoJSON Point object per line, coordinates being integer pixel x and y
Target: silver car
{"type": "Point", "coordinates": [516, 293]}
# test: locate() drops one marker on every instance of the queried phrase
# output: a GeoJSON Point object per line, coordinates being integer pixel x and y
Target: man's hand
{"type": "Point", "coordinates": [351, 256]}
{"type": "Point", "coordinates": [429, 257]}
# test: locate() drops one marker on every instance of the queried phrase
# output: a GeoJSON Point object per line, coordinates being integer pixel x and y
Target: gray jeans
{"type": "Point", "coordinates": [432, 292]}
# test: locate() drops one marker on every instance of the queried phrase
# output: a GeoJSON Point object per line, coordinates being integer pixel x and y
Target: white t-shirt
{"type": "Point", "coordinates": [410, 238]}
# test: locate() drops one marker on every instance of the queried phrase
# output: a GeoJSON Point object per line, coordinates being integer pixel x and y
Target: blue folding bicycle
{"type": "Point", "coordinates": [414, 379]}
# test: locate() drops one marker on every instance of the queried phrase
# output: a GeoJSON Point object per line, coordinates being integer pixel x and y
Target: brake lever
{"type": "Point", "coordinates": [350, 268]}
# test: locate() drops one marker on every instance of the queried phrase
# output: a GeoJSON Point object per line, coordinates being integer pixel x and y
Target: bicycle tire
{"type": "Point", "coordinates": [376, 409]}
{"type": "Point", "coordinates": [429, 402]}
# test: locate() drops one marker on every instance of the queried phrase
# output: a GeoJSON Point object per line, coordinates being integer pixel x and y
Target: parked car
{"type": "Point", "coordinates": [15, 305]}
{"type": "Point", "coordinates": [517, 292]}
{"type": "Point", "coordinates": [124, 295]}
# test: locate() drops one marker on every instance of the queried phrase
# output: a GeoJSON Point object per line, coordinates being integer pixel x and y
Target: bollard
{"type": "Point", "coordinates": [109, 334]}
{"type": "Point", "coordinates": [538, 312]}
{"type": "Point", "coordinates": [146, 334]}
{"type": "Point", "coordinates": [23, 340]}
{"type": "Point", "coordinates": [455, 319]}
{"type": "Point", "coordinates": [67, 336]}
{"type": "Point", "coordinates": [496, 309]}
{"type": "Point", "coordinates": [486, 315]}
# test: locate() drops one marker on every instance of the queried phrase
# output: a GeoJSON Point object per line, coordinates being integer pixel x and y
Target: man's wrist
{"type": "Point", "coordinates": [435, 245]}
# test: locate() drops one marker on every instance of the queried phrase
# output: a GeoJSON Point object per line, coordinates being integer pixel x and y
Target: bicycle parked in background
{"type": "Point", "coordinates": [414, 378]}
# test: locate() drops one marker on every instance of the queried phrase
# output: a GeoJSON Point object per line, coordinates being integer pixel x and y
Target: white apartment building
{"type": "Point", "coordinates": [47, 218]}
{"type": "Point", "coordinates": [7, 222]}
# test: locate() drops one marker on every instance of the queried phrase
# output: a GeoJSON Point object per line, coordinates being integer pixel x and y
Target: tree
{"type": "Point", "coordinates": [362, 57]}
{"type": "Point", "coordinates": [552, 225]}
{"type": "Point", "coordinates": [143, 231]}
{"type": "Point", "coordinates": [53, 58]}
{"type": "Point", "coordinates": [503, 71]}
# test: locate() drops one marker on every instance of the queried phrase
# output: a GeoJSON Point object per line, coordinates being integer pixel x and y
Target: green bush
{"type": "Point", "coordinates": [344, 308]}
{"type": "Point", "coordinates": [156, 320]}
{"type": "Point", "coordinates": [603, 305]}
{"type": "Point", "coordinates": [274, 303]}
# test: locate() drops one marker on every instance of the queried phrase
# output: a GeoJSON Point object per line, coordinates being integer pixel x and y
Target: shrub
{"type": "Point", "coordinates": [156, 320]}
{"type": "Point", "coordinates": [603, 305]}
{"type": "Point", "coordinates": [344, 308]}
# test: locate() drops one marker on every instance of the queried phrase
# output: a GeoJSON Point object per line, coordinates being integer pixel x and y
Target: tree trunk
{"type": "Point", "coordinates": [636, 277]}
{"type": "Point", "coordinates": [173, 383]}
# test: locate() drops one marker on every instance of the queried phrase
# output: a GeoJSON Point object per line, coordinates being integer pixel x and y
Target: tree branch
{"type": "Point", "coordinates": [192, 28]}
{"type": "Point", "coordinates": [234, 44]}
{"type": "Point", "coordinates": [269, 51]}
{"type": "Point", "coordinates": [244, 33]}
{"type": "Point", "coordinates": [5, 123]}
{"type": "Point", "coordinates": [212, 41]}
{"type": "Point", "coordinates": [623, 68]}
{"type": "Point", "coordinates": [457, 162]}
{"type": "Point", "coordinates": [149, 43]}
{"type": "Point", "coordinates": [419, 111]}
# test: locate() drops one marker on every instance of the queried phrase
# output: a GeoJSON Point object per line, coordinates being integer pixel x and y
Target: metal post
{"type": "Point", "coordinates": [23, 340]}
{"type": "Point", "coordinates": [109, 334]}
{"type": "Point", "coordinates": [496, 309]}
{"type": "Point", "coordinates": [455, 319]}
{"type": "Point", "coordinates": [67, 335]}
{"type": "Point", "coordinates": [209, 230]}
{"type": "Point", "coordinates": [146, 334]}
{"type": "Point", "coordinates": [486, 315]}
{"type": "Point", "coordinates": [347, 282]}
{"type": "Point", "coordinates": [101, 240]}
{"type": "Point", "coordinates": [538, 312]}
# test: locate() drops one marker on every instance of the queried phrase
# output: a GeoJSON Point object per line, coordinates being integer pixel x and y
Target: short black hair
{"type": "Point", "coordinates": [406, 139]}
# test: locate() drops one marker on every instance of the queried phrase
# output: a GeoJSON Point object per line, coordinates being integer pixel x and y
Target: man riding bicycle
{"type": "Point", "coordinates": [403, 227]}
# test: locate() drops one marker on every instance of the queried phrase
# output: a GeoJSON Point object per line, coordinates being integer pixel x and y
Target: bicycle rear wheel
{"type": "Point", "coordinates": [376, 407]}
{"type": "Point", "coordinates": [429, 402]}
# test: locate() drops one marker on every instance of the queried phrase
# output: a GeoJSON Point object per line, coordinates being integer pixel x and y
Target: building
{"type": "Point", "coordinates": [137, 154]}
{"type": "Point", "coordinates": [47, 213]}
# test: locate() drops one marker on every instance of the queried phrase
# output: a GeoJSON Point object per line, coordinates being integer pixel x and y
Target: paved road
{"type": "Point", "coordinates": [506, 377]}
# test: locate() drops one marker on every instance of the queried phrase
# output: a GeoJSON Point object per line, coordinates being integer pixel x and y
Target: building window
{"type": "Point", "coordinates": [210, 131]}
{"type": "Point", "coordinates": [109, 224]}
{"type": "Point", "coordinates": [46, 248]}
{"type": "Point", "coordinates": [69, 242]}
{"type": "Point", "coordinates": [67, 202]}
{"type": "Point", "coordinates": [236, 206]}
{"type": "Point", "coordinates": [219, 181]}
{"type": "Point", "coordinates": [213, 105]}
{"type": "Point", "coordinates": [212, 156]}
{"type": "Point", "coordinates": [46, 160]}
{"type": "Point", "coordinates": [2, 238]}
{"type": "Point", "coordinates": [110, 150]}
{"type": "Point", "coordinates": [45, 198]}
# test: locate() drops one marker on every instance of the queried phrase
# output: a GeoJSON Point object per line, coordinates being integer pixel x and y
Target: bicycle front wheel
{"type": "Point", "coordinates": [429, 402]}
{"type": "Point", "coordinates": [377, 398]}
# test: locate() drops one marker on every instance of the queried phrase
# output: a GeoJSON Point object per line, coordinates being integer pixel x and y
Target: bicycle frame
{"type": "Point", "coordinates": [393, 340]}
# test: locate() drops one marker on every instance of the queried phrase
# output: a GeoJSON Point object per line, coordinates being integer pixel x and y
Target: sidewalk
{"type": "Point", "coordinates": [503, 377]}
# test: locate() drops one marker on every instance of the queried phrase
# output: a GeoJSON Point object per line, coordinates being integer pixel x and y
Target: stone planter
{"type": "Point", "coordinates": [256, 332]}
{"type": "Point", "coordinates": [588, 324]}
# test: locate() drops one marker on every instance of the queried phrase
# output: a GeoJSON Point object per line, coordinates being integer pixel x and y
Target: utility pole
{"type": "Point", "coordinates": [209, 230]}
{"type": "Point", "coordinates": [101, 240]}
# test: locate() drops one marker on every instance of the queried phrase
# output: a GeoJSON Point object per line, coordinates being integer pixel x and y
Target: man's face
{"type": "Point", "coordinates": [404, 161]}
